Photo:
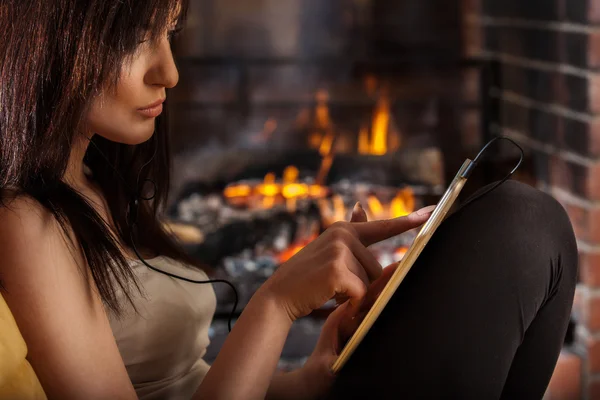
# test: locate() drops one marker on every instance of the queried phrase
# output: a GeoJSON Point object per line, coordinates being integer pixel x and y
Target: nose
{"type": "Point", "coordinates": [163, 71]}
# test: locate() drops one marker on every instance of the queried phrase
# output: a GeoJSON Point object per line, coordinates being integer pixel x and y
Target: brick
{"type": "Point", "coordinates": [582, 180]}
{"type": "Point", "coordinates": [471, 86]}
{"type": "Point", "coordinates": [545, 127]}
{"type": "Point", "coordinates": [576, 49]}
{"type": "Point", "coordinates": [531, 9]}
{"type": "Point", "coordinates": [566, 379]}
{"type": "Point", "coordinates": [593, 389]}
{"type": "Point", "coordinates": [471, 129]}
{"type": "Point", "coordinates": [593, 93]}
{"type": "Point", "coordinates": [593, 56]}
{"type": "Point", "coordinates": [472, 39]}
{"type": "Point", "coordinates": [471, 7]}
{"type": "Point", "coordinates": [527, 43]}
{"type": "Point", "coordinates": [586, 222]}
{"type": "Point", "coordinates": [582, 49]}
{"type": "Point", "coordinates": [591, 313]}
{"type": "Point", "coordinates": [592, 348]}
{"type": "Point", "coordinates": [589, 268]}
{"type": "Point", "coordinates": [532, 83]}
{"type": "Point", "coordinates": [541, 166]}
{"type": "Point", "coordinates": [582, 137]}
{"type": "Point", "coordinates": [582, 11]}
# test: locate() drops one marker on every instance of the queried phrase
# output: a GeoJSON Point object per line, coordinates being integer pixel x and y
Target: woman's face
{"type": "Point", "coordinates": [127, 113]}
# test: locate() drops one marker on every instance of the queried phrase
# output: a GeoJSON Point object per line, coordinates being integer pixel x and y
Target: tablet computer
{"type": "Point", "coordinates": [405, 264]}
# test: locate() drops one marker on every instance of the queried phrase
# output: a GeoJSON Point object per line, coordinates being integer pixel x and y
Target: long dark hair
{"type": "Point", "coordinates": [55, 56]}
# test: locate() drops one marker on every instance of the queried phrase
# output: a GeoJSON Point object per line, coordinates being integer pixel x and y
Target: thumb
{"type": "Point", "coordinates": [376, 231]}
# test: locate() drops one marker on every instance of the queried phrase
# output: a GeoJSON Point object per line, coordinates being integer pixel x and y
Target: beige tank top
{"type": "Point", "coordinates": [162, 345]}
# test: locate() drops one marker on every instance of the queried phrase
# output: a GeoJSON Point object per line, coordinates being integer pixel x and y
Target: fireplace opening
{"type": "Point", "coordinates": [288, 113]}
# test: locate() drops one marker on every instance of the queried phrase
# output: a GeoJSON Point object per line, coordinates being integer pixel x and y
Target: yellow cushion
{"type": "Point", "coordinates": [17, 379]}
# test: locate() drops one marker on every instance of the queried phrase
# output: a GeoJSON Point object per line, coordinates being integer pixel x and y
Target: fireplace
{"type": "Point", "coordinates": [288, 113]}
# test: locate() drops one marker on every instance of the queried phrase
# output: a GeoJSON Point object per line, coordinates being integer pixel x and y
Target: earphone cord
{"type": "Point", "coordinates": [476, 161]}
{"type": "Point", "coordinates": [133, 226]}
{"type": "Point", "coordinates": [235, 304]}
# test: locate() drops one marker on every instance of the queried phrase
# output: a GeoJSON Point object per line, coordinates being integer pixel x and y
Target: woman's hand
{"type": "Point", "coordinates": [339, 328]}
{"type": "Point", "coordinates": [336, 265]}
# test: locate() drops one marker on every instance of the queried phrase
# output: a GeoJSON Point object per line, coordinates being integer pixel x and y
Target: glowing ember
{"type": "Point", "coordinates": [294, 190]}
{"type": "Point", "coordinates": [317, 191]}
{"type": "Point", "coordinates": [294, 249]}
{"type": "Point", "coordinates": [399, 253]}
{"type": "Point", "coordinates": [237, 191]}
{"type": "Point", "coordinates": [269, 188]}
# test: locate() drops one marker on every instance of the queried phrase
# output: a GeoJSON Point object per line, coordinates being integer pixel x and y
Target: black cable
{"type": "Point", "coordinates": [132, 208]}
{"type": "Point", "coordinates": [231, 314]}
{"type": "Point", "coordinates": [475, 161]}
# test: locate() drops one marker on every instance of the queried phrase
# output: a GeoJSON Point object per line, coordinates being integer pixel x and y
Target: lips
{"type": "Point", "coordinates": [153, 110]}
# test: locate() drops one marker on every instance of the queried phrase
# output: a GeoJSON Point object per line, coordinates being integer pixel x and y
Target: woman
{"type": "Point", "coordinates": [82, 85]}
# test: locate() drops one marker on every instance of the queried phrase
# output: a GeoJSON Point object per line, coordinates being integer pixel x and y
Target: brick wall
{"type": "Point", "coordinates": [545, 61]}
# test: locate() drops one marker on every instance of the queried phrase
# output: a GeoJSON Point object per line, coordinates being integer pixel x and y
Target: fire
{"type": "Point", "coordinates": [295, 248]}
{"type": "Point", "coordinates": [326, 144]}
{"type": "Point", "coordinates": [381, 123]}
{"type": "Point", "coordinates": [268, 188]}
{"type": "Point", "coordinates": [322, 111]}
{"type": "Point", "coordinates": [381, 138]}
{"type": "Point", "coordinates": [375, 207]}
{"type": "Point", "coordinates": [403, 204]}
{"type": "Point", "coordinates": [333, 210]}
{"type": "Point", "coordinates": [399, 253]}
{"type": "Point", "coordinates": [363, 141]}
{"type": "Point", "coordinates": [238, 191]}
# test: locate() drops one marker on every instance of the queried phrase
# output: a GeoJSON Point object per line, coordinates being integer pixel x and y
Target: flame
{"type": "Point", "coordinates": [370, 84]}
{"type": "Point", "coordinates": [399, 253]}
{"type": "Point", "coordinates": [403, 204]}
{"type": "Point", "coordinates": [339, 209]}
{"type": "Point", "coordinates": [317, 191]}
{"type": "Point", "coordinates": [269, 189]}
{"type": "Point", "coordinates": [314, 140]}
{"type": "Point", "coordinates": [295, 248]}
{"type": "Point", "coordinates": [326, 164]}
{"type": "Point", "coordinates": [237, 191]}
{"type": "Point", "coordinates": [290, 174]}
{"type": "Point", "coordinates": [327, 144]}
{"type": "Point", "coordinates": [375, 207]}
{"type": "Point", "coordinates": [322, 110]}
{"type": "Point", "coordinates": [381, 122]}
{"type": "Point", "coordinates": [363, 141]}
{"type": "Point", "coordinates": [294, 190]}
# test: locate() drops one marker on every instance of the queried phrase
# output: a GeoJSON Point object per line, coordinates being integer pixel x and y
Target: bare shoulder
{"type": "Point", "coordinates": [24, 225]}
{"type": "Point", "coordinates": [56, 306]}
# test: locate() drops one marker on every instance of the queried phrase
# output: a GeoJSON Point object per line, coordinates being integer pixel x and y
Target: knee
{"type": "Point", "coordinates": [522, 200]}
{"type": "Point", "coordinates": [523, 212]}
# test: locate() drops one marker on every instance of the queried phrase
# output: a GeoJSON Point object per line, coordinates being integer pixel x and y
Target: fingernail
{"type": "Point", "coordinates": [358, 208]}
{"type": "Point", "coordinates": [425, 211]}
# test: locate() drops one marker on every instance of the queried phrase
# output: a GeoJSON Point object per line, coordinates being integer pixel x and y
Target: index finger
{"type": "Point", "coordinates": [376, 231]}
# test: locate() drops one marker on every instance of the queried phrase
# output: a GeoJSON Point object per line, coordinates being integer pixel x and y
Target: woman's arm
{"type": "Point", "coordinates": [335, 265]}
{"type": "Point", "coordinates": [57, 308]}
{"type": "Point", "coordinates": [248, 359]}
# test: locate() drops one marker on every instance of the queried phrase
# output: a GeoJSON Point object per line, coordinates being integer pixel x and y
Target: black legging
{"type": "Point", "coordinates": [484, 311]}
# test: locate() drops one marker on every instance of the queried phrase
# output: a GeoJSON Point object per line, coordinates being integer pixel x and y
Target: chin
{"type": "Point", "coordinates": [135, 135]}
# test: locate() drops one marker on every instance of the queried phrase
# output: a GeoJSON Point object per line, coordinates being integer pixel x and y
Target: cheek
{"type": "Point", "coordinates": [115, 117]}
